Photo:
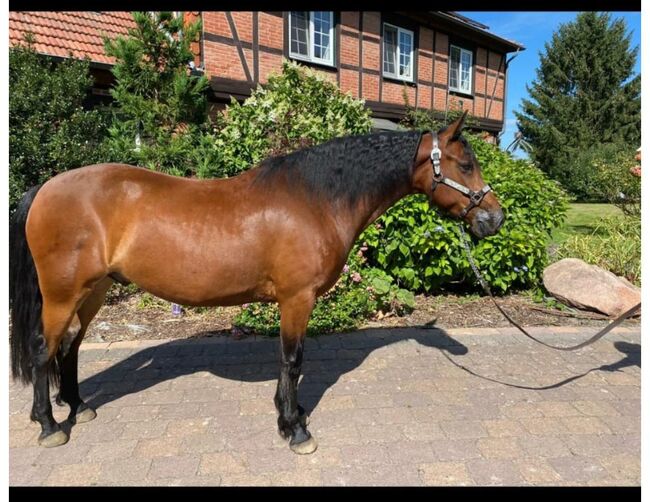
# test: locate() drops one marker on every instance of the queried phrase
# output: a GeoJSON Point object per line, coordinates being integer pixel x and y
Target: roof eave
{"type": "Point", "coordinates": [509, 45]}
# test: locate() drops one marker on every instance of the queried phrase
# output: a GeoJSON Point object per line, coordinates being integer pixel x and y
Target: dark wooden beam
{"type": "Point", "coordinates": [256, 48]}
{"type": "Point", "coordinates": [240, 50]}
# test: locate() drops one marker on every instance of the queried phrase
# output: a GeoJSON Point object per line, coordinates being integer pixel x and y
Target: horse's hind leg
{"type": "Point", "coordinates": [293, 326]}
{"type": "Point", "coordinates": [56, 317]}
{"type": "Point", "coordinates": [80, 412]}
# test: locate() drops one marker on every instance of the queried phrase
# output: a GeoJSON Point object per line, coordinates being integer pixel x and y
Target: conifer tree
{"type": "Point", "coordinates": [585, 94]}
{"type": "Point", "coordinates": [160, 104]}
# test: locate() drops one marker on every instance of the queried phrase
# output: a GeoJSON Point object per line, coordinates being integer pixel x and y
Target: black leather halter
{"type": "Point", "coordinates": [475, 198]}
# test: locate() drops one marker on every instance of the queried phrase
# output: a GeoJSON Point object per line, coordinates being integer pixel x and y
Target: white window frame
{"type": "Point", "coordinates": [396, 75]}
{"type": "Point", "coordinates": [310, 47]}
{"type": "Point", "coordinates": [471, 69]}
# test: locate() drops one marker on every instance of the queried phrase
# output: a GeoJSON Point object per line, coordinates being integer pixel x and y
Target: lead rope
{"type": "Point", "coordinates": [486, 288]}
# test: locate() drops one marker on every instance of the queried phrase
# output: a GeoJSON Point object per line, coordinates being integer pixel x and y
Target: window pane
{"type": "Point", "coordinates": [322, 39]}
{"type": "Point", "coordinates": [299, 32]}
{"type": "Point", "coordinates": [454, 64]}
{"type": "Point", "coordinates": [455, 56]}
{"type": "Point", "coordinates": [465, 72]}
{"type": "Point", "coordinates": [453, 77]}
{"type": "Point", "coordinates": [466, 59]}
{"type": "Point", "coordinates": [405, 48]}
{"type": "Point", "coordinates": [390, 49]}
{"type": "Point", "coordinates": [464, 80]}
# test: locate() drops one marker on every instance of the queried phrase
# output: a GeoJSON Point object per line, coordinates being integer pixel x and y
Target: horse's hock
{"type": "Point", "coordinates": [584, 286]}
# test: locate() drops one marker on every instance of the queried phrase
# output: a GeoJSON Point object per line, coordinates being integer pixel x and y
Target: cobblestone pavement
{"type": "Point", "coordinates": [388, 407]}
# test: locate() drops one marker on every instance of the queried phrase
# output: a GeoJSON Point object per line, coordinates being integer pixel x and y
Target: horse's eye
{"type": "Point", "coordinates": [467, 166]}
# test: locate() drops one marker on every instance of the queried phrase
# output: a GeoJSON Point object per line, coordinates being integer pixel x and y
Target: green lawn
{"type": "Point", "coordinates": [582, 219]}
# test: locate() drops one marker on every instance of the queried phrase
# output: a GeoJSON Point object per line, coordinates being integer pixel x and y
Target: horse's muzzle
{"type": "Point", "coordinates": [487, 223]}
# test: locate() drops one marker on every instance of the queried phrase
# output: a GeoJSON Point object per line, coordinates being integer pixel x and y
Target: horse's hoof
{"type": "Point", "coordinates": [56, 439]}
{"type": "Point", "coordinates": [85, 416]}
{"type": "Point", "coordinates": [304, 448]}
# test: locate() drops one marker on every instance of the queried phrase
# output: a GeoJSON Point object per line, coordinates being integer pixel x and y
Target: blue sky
{"type": "Point", "coordinates": [533, 29]}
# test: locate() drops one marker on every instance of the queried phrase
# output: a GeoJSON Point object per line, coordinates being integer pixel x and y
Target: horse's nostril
{"type": "Point", "coordinates": [500, 220]}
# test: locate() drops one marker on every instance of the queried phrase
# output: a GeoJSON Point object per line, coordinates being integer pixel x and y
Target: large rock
{"type": "Point", "coordinates": [589, 287]}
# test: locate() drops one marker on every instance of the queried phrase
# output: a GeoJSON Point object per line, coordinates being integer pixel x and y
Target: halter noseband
{"type": "Point", "coordinates": [475, 198]}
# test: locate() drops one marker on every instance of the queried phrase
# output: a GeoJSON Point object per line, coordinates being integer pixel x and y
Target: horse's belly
{"type": "Point", "coordinates": [197, 273]}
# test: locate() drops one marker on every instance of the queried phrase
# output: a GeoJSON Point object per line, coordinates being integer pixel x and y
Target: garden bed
{"type": "Point", "coordinates": [127, 320]}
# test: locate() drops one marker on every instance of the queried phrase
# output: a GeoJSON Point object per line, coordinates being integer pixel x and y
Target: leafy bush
{"type": "Point", "coordinates": [49, 129]}
{"type": "Point", "coordinates": [423, 252]}
{"type": "Point", "coordinates": [294, 109]}
{"type": "Point", "coordinates": [359, 294]}
{"type": "Point", "coordinates": [614, 245]}
{"type": "Point", "coordinates": [615, 182]}
{"type": "Point", "coordinates": [601, 173]}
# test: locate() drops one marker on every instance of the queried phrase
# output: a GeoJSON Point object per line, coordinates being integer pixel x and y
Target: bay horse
{"type": "Point", "coordinates": [279, 232]}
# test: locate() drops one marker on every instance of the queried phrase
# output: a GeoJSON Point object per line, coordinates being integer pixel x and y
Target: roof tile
{"type": "Point", "coordinates": [59, 33]}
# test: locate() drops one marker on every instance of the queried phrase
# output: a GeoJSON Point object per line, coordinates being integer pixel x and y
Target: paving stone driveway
{"type": "Point", "coordinates": [388, 407]}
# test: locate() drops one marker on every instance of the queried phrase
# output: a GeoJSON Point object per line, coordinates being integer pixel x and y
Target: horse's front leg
{"type": "Point", "coordinates": [293, 326]}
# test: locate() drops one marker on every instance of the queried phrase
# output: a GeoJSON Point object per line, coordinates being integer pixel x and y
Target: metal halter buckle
{"type": "Point", "coordinates": [477, 197]}
{"type": "Point", "coordinates": [436, 154]}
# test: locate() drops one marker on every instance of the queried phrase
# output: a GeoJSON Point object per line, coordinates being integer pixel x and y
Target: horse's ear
{"type": "Point", "coordinates": [456, 127]}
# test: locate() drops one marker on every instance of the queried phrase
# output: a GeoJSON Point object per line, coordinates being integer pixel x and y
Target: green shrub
{"type": "Point", "coordinates": [49, 129]}
{"type": "Point", "coordinates": [601, 173]}
{"type": "Point", "coordinates": [294, 109]}
{"type": "Point", "coordinates": [614, 245]}
{"type": "Point", "coordinates": [615, 183]}
{"type": "Point", "coordinates": [359, 294]}
{"type": "Point", "coordinates": [422, 250]}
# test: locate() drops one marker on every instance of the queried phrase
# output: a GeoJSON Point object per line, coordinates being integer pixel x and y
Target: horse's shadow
{"type": "Point", "coordinates": [632, 357]}
{"type": "Point", "coordinates": [325, 361]}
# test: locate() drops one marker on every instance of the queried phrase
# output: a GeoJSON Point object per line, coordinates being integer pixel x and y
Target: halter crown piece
{"type": "Point", "coordinates": [475, 198]}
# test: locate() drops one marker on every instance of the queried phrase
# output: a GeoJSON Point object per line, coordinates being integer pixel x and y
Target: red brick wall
{"type": "Point", "coordinates": [441, 71]}
{"type": "Point", "coordinates": [222, 59]}
{"type": "Point", "coordinates": [349, 52]}
{"type": "Point", "coordinates": [371, 56]}
{"type": "Point", "coordinates": [358, 45]}
{"type": "Point", "coordinates": [495, 86]}
{"type": "Point", "coordinates": [271, 34]}
{"type": "Point", "coordinates": [425, 68]}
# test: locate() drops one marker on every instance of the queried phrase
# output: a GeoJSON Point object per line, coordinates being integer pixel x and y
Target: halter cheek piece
{"type": "Point", "coordinates": [475, 198]}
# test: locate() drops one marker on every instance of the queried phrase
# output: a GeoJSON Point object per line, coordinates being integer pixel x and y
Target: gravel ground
{"type": "Point", "coordinates": [125, 319]}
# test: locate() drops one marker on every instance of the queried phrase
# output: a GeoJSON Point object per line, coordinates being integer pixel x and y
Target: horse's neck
{"type": "Point", "coordinates": [365, 211]}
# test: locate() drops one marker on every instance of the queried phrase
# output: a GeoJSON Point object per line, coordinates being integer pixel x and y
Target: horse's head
{"type": "Point", "coordinates": [448, 173]}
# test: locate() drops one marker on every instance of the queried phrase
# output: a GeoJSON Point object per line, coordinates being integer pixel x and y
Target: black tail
{"type": "Point", "coordinates": [24, 294]}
